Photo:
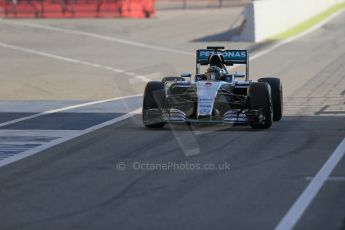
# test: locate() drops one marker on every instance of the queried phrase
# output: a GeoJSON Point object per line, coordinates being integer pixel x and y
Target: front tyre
{"type": "Point", "coordinates": [153, 104]}
{"type": "Point", "coordinates": [260, 99]}
{"type": "Point", "coordinates": [277, 96]}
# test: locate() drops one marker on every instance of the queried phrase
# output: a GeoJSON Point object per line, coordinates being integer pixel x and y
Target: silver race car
{"type": "Point", "coordinates": [214, 96]}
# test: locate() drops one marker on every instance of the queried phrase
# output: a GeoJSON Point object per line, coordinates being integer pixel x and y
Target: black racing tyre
{"type": "Point", "coordinates": [277, 96]}
{"type": "Point", "coordinates": [154, 98]}
{"type": "Point", "coordinates": [260, 98]}
{"type": "Point", "coordinates": [172, 78]}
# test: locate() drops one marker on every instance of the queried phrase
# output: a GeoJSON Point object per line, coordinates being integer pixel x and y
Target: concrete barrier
{"type": "Point", "coordinates": [266, 18]}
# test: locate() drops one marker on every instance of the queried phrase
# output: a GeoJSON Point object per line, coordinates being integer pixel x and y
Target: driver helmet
{"type": "Point", "coordinates": [213, 73]}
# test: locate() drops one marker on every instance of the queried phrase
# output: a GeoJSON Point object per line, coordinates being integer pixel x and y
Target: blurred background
{"type": "Point", "coordinates": [104, 8]}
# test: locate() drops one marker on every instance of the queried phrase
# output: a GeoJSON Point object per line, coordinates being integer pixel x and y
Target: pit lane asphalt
{"type": "Point", "coordinates": [76, 185]}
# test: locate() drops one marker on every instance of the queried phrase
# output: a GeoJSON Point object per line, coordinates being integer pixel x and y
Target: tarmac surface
{"type": "Point", "coordinates": [75, 155]}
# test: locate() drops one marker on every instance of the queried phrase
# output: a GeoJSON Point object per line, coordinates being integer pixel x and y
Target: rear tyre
{"type": "Point", "coordinates": [153, 103]}
{"type": "Point", "coordinates": [277, 96]}
{"type": "Point", "coordinates": [260, 99]}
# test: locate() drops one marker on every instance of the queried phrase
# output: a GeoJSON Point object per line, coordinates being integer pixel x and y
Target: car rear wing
{"type": "Point", "coordinates": [230, 57]}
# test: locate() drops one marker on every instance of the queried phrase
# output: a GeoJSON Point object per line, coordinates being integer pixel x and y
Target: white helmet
{"type": "Point", "coordinates": [213, 73]}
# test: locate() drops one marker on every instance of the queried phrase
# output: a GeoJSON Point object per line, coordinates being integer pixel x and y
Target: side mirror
{"type": "Point", "coordinates": [239, 75]}
{"type": "Point", "coordinates": [186, 75]}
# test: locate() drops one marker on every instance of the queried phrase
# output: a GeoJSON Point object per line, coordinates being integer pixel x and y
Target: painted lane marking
{"type": "Point", "coordinates": [98, 36]}
{"type": "Point", "coordinates": [32, 135]}
{"type": "Point", "coordinates": [13, 142]}
{"type": "Point", "coordinates": [72, 60]}
{"type": "Point", "coordinates": [10, 150]}
{"type": "Point", "coordinates": [304, 200]}
{"type": "Point", "coordinates": [64, 109]}
{"type": "Point", "coordinates": [30, 152]}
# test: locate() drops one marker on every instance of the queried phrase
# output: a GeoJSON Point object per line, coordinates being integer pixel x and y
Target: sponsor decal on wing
{"type": "Point", "coordinates": [207, 92]}
{"type": "Point", "coordinates": [229, 55]}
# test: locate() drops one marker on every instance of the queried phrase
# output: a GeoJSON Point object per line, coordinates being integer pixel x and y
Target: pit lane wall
{"type": "Point", "coordinates": [76, 8]}
{"type": "Point", "coordinates": [266, 18]}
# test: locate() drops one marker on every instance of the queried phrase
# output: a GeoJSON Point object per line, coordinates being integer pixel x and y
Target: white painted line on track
{"type": "Point", "coordinates": [72, 60]}
{"type": "Point", "coordinates": [304, 200]}
{"type": "Point", "coordinates": [21, 142]}
{"type": "Point", "coordinates": [35, 132]}
{"type": "Point", "coordinates": [55, 142]}
{"type": "Point", "coordinates": [65, 108]}
{"type": "Point", "coordinates": [98, 36]}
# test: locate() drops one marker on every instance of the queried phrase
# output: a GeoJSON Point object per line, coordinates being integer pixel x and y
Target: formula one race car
{"type": "Point", "coordinates": [216, 96]}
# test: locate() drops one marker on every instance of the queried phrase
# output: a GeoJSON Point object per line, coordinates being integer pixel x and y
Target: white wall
{"type": "Point", "coordinates": [266, 18]}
